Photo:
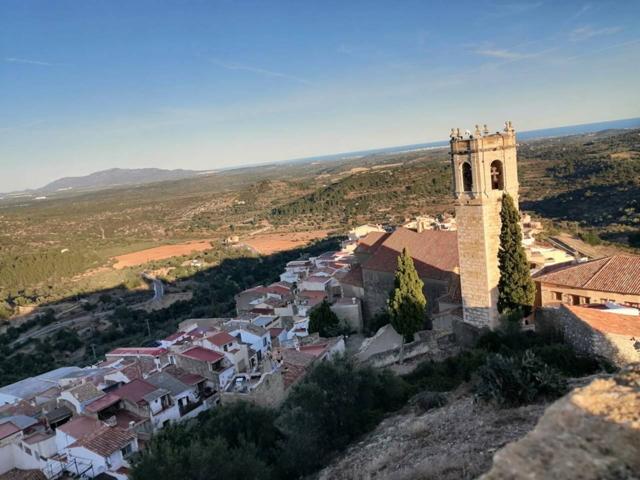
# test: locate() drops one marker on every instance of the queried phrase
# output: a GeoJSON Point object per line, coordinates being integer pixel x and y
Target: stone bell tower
{"type": "Point", "coordinates": [484, 167]}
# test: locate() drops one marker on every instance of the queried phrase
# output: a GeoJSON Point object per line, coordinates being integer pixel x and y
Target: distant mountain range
{"type": "Point", "coordinates": [116, 177]}
{"type": "Point", "coordinates": [127, 176]}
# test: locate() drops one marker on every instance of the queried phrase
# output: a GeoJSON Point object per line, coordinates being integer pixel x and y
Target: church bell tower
{"type": "Point", "coordinates": [484, 167]}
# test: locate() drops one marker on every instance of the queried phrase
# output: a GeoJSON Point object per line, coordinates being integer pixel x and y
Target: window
{"type": "Point", "coordinates": [557, 296]}
{"type": "Point", "coordinates": [497, 180]}
{"type": "Point", "coordinates": [575, 300]}
{"type": "Point", "coordinates": [264, 342]}
{"type": "Point", "coordinates": [467, 177]}
{"type": "Point", "coordinates": [127, 450]}
{"type": "Point", "coordinates": [28, 450]}
{"type": "Point", "coordinates": [226, 347]}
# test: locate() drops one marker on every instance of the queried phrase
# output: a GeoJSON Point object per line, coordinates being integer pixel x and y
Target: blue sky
{"type": "Point", "coordinates": [89, 85]}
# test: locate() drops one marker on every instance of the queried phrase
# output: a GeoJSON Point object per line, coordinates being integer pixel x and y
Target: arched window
{"type": "Point", "coordinates": [497, 176]}
{"type": "Point", "coordinates": [467, 177]}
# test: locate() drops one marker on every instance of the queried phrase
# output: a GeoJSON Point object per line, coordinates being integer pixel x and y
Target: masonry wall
{"type": "Point", "coordinates": [619, 349]}
{"type": "Point", "coordinates": [478, 243]}
{"type": "Point", "coordinates": [350, 313]}
{"type": "Point", "coordinates": [428, 344]}
{"type": "Point", "coordinates": [546, 295]}
{"type": "Point", "coordinates": [378, 286]}
{"type": "Point", "coordinates": [269, 392]}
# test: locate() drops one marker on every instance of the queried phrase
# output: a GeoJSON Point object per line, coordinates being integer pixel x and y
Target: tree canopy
{"type": "Point", "coordinates": [324, 321]}
{"type": "Point", "coordinates": [407, 303]}
{"type": "Point", "coordinates": [515, 287]}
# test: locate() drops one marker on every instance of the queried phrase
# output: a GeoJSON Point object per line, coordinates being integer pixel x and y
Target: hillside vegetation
{"type": "Point", "coordinates": [588, 182]}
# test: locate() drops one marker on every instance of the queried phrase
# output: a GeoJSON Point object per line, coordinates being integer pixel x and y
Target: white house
{"type": "Point", "coordinates": [81, 395]}
{"type": "Point", "coordinates": [256, 337]}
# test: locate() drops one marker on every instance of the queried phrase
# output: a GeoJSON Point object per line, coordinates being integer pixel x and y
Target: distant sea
{"type": "Point", "coordinates": [527, 135]}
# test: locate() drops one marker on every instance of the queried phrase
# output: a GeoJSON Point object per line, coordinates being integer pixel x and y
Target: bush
{"type": "Point", "coordinates": [430, 400]}
{"type": "Point", "coordinates": [518, 380]}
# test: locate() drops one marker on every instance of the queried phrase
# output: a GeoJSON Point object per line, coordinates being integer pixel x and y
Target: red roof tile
{"type": "Point", "coordinates": [221, 338]}
{"type": "Point", "coordinates": [606, 321]}
{"type": "Point", "coordinates": [618, 273]}
{"type": "Point", "coordinates": [371, 241]}
{"type": "Point", "coordinates": [7, 429]}
{"type": "Point", "coordinates": [434, 252]}
{"type": "Point", "coordinates": [80, 426]}
{"type": "Point", "coordinates": [102, 403]}
{"type": "Point", "coordinates": [274, 332]}
{"type": "Point", "coordinates": [203, 354]}
{"type": "Point", "coordinates": [106, 440]}
{"type": "Point", "coordinates": [135, 390]}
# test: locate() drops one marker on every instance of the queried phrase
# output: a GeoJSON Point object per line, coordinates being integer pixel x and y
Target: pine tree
{"type": "Point", "coordinates": [324, 321]}
{"type": "Point", "coordinates": [515, 288]}
{"type": "Point", "coordinates": [407, 303]}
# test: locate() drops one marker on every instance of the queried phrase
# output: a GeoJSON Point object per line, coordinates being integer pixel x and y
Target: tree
{"type": "Point", "coordinates": [515, 287]}
{"type": "Point", "coordinates": [324, 321]}
{"type": "Point", "coordinates": [407, 303]}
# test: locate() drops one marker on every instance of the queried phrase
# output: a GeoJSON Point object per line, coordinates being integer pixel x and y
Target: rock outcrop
{"type": "Point", "coordinates": [593, 433]}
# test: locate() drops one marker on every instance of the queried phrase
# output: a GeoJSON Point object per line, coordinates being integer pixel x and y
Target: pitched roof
{"type": "Point", "coordinates": [135, 391]}
{"type": "Point", "coordinates": [80, 426]}
{"type": "Point", "coordinates": [20, 421]}
{"type": "Point", "coordinates": [102, 403]}
{"type": "Point", "coordinates": [105, 440]}
{"type": "Point", "coordinates": [17, 474]}
{"type": "Point", "coordinates": [168, 382]}
{"type": "Point", "coordinates": [221, 338]}
{"type": "Point", "coordinates": [618, 273]}
{"type": "Point", "coordinates": [606, 321]}
{"type": "Point", "coordinates": [7, 429]}
{"type": "Point", "coordinates": [203, 354]}
{"type": "Point", "coordinates": [434, 252]}
{"type": "Point", "coordinates": [371, 241]}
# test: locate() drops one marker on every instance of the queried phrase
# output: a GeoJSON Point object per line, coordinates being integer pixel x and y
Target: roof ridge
{"type": "Point", "coordinates": [595, 275]}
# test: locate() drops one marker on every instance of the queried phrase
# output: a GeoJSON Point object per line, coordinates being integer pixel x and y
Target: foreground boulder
{"type": "Point", "coordinates": [592, 433]}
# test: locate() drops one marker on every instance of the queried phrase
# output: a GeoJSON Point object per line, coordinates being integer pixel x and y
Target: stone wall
{"type": "Point", "coordinates": [546, 296]}
{"type": "Point", "coordinates": [619, 349]}
{"type": "Point", "coordinates": [268, 392]}
{"type": "Point", "coordinates": [350, 313]}
{"type": "Point", "coordinates": [478, 242]}
{"type": "Point", "coordinates": [430, 344]}
{"type": "Point", "coordinates": [378, 286]}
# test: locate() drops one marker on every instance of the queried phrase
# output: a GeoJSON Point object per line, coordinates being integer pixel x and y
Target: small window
{"type": "Point", "coordinates": [557, 296]}
{"type": "Point", "coordinates": [127, 450]}
{"type": "Point", "coordinates": [264, 342]}
{"type": "Point", "coordinates": [467, 177]}
{"type": "Point", "coordinates": [497, 180]}
{"type": "Point", "coordinates": [28, 450]}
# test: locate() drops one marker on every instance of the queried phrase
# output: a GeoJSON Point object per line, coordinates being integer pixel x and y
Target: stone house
{"type": "Point", "coordinates": [609, 279]}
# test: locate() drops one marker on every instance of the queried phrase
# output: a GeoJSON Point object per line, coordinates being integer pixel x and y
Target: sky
{"type": "Point", "coordinates": [89, 85]}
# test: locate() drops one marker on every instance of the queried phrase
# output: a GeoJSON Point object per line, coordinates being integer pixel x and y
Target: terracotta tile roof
{"type": "Point", "coordinates": [16, 474]}
{"type": "Point", "coordinates": [106, 440]}
{"type": "Point", "coordinates": [102, 403]}
{"type": "Point", "coordinates": [292, 373]}
{"type": "Point", "coordinates": [618, 273]}
{"type": "Point", "coordinates": [274, 332]}
{"type": "Point", "coordinates": [7, 429]}
{"type": "Point", "coordinates": [434, 252]}
{"type": "Point", "coordinates": [606, 321]}
{"type": "Point", "coordinates": [80, 426]}
{"type": "Point", "coordinates": [184, 376]}
{"type": "Point", "coordinates": [221, 338]}
{"type": "Point", "coordinates": [135, 391]}
{"type": "Point", "coordinates": [203, 354]}
{"type": "Point", "coordinates": [371, 241]}
{"type": "Point", "coordinates": [174, 336]}
{"type": "Point", "coordinates": [279, 289]}
{"type": "Point", "coordinates": [38, 437]}
{"type": "Point", "coordinates": [315, 294]}
{"type": "Point", "coordinates": [353, 277]}
{"type": "Point", "coordinates": [138, 368]}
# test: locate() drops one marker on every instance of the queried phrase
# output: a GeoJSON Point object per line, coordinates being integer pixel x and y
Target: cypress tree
{"type": "Point", "coordinates": [407, 303]}
{"type": "Point", "coordinates": [324, 321]}
{"type": "Point", "coordinates": [515, 288]}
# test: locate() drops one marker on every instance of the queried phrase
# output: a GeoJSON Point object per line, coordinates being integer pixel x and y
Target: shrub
{"type": "Point", "coordinates": [430, 400]}
{"type": "Point", "coordinates": [518, 380]}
